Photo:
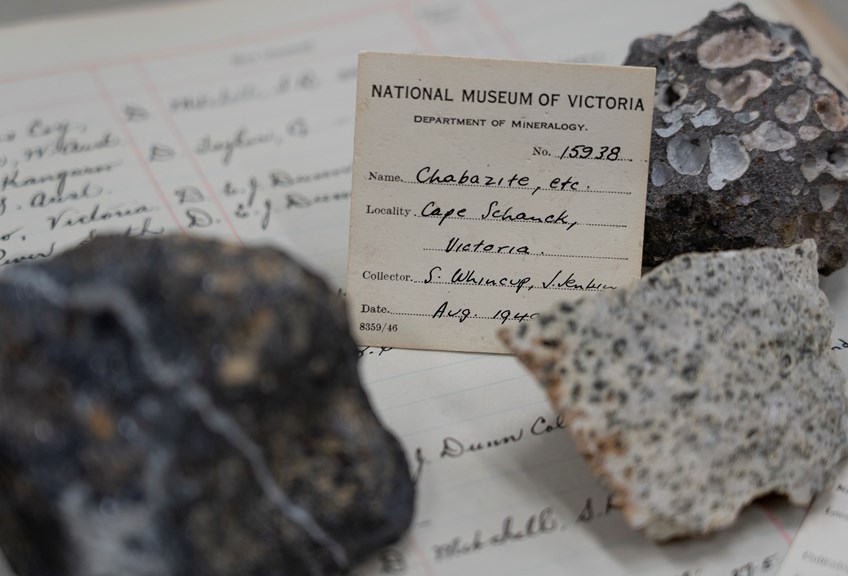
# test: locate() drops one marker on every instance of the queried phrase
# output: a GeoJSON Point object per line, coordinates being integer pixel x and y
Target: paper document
{"type": "Point", "coordinates": [485, 191]}
{"type": "Point", "coordinates": [234, 119]}
{"type": "Point", "coordinates": [819, 549]}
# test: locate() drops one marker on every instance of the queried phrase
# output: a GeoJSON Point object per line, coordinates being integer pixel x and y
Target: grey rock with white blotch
{"type": "Point", "coordinates": [705, 385]}
{"type": "Point", "coordinates": [749, 146]}
{"type": "Point", "coordinates": [180, 406]}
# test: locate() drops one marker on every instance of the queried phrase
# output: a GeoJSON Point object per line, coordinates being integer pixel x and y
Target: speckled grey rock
{"type": "Point", "coordinates": [749, 146]}
{"type": "Point", "coordinates": [705, 385]}
{"type": "Point", "coordinates": [179, 406]}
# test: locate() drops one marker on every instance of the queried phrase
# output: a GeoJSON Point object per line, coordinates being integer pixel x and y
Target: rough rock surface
{"type": "Point", "coordinates": [180, 406]}
{"type": "Point", "coordinates": [749, 147]}
{"type": "Point", "coordinates": [705, 385]}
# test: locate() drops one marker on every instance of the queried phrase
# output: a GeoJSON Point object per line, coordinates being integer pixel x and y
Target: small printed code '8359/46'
{"type": "Point", "coordinates": [377, 327]}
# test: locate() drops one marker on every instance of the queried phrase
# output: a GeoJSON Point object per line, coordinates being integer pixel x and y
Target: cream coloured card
{"type": "Point", "coordinates": [486, 190]}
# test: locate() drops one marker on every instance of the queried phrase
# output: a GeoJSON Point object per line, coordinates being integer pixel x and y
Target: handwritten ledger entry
{"type": "Point", "coordinates": [237, 123]}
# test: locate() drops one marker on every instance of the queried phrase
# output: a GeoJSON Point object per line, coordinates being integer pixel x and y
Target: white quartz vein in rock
{"type": "Point", "coordinates": [103, 298]}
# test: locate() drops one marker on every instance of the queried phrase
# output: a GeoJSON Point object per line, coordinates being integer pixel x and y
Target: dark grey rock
{"type": "Point", "coordinates": [705, 385]}
{"type": "Point", "coordinates": [749, 147]}
{"type": "Point", "coordinates": [180, 406]}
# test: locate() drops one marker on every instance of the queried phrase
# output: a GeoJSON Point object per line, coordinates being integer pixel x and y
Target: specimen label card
{"type": "Point", "coordinates": [486, 190]}
{"type": "Point", "coordinates": [819, 548]}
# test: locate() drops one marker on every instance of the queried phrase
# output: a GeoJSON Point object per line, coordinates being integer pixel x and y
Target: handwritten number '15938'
{"type": "Point", "coordinates": [583, 152]}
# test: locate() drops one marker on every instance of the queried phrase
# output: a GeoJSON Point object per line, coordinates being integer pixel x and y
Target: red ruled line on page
{"type": "Point", "coordinates": [185, 148]}
{"type": "Point", "coordinates": [125, 131]}
{"type": "Point", "coordinates": [225, 43]}
{"type": "Point", "coordinates": [489, 15]}
{"type": "Point", "coordinates": [777, 524]}
{"type": "Point", "coordinates": [421, 34]}
{"type": "Point", "coordinates": [419, 554]}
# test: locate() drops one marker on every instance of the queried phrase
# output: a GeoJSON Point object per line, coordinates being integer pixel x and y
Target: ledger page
{"type": "Point", "coordinates": [235, 120]}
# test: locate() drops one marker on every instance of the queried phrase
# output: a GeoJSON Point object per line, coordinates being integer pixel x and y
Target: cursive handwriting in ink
{"type": "Point", "coordinates": [299, 200]}
{"type": "Point", "coordinates": [570, 282]}
{"type": "Point", "coordinates": [420, 462]}
{"type": "Point", "coordinates": [470, 276]}
{"type": "Point", "coordinates": [6, 261]}
{"type": "Point", "coordinates": [444, 311]}
{"type": "Point", "coordinates": [457, 244]}
{"type": "Point", "coordinates": [510, 532]}
{"type": "Point", "coordinates": [454, 448]}
{"type": "Point", "coordinates": [284, 179]}
{"type": "Point", "coordinates": [70, 217]}
{"type": "Point", "coordinates": [542, 426]}
{"type": "Point", "coordinates": [429, 175]}
{"type": "Point", "coordinates": [62, 142]}
{"type": "Point", "coordinates": [511, 214]}
{"type": "Point", "coordinates": [60, 195]}
{"type": "Point", "coordinates": [227, 147]}
{"type": "Point", "coordinates": [14, 179]}
{"type": "Point", "coordinates": [431, 210]}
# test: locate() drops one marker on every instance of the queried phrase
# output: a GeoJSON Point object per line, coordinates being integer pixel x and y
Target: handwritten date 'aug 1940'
{"type": "Point", "coordinates": [561, 280]}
